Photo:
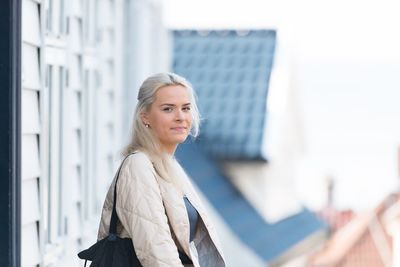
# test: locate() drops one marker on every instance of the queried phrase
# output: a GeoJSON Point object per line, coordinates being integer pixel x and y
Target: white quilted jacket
{"type": "Point", "coordinates": [149, 207]}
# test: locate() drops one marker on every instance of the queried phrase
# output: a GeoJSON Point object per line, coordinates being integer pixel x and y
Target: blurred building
{"type": "Point", "coordinates": [368, 239]}
{"type": "Point", "coordinates": [243, 161]}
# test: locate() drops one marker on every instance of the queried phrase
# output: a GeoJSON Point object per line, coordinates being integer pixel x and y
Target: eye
{"type": "Point", "coordinates": [186, 108]}
{"type": "Point", "coordinates": [167, 109]}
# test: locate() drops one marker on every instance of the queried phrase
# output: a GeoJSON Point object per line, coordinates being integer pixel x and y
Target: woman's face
{"type": "Point", "coordinates": [170, 116]}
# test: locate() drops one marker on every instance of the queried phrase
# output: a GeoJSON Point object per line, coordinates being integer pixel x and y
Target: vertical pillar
{"type": "Point", "coordinates": [10, 132]}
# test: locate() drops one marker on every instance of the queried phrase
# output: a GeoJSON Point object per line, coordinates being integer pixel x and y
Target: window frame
{"type": "Point", "coordinates": [53, 242]}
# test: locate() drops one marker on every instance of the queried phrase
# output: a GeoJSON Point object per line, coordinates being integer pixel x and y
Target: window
{"type": "Point", "coordinates": [54, 224]}
{"type": "Point", "coordinates": [88, 22]}
{"type": "Point", "coordinates": [91, 201]}
{"type": "Point", "coordinates": [55, 17]}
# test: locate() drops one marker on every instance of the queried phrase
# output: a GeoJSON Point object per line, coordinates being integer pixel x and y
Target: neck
{"type": "Point", "coordinates": [170, 150]}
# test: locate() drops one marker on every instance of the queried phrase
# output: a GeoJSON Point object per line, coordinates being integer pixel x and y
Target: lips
{"type": "Point", "coordinates": [179, 129]}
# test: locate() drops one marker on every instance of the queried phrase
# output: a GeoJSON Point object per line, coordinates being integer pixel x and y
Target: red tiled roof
{"type": "Point", "coordinates": [358, 240]}
{"type": "Point", "coordinates": [334, 218]}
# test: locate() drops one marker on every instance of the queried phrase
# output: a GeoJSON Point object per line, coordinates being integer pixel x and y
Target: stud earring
{"type": "Point", "coordinates": [147, 125]}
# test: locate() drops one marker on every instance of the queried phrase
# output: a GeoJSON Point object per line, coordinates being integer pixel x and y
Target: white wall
{"type": "Point", "coordinates": [147, 51]}
{"type": "Point", "coordinates": [71, 83]}
{"type": "Point", "coordinates": [31, 133]}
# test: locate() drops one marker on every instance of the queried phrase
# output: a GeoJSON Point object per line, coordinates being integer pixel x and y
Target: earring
{"type": "Point", "coordinates": [147, 125]}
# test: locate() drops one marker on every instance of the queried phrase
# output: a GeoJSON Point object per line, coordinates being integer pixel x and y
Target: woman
{"type": "Point", "coordinates": [157, 206]}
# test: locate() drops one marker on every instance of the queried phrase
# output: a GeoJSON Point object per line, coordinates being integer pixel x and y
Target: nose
{"type": "Point", "coordinates": [179, 116]}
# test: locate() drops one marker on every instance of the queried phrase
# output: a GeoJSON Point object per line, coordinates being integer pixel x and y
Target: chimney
{"type": "Point", "coordinates": [398, 165]}
{"type": "Point", "coordinates": [330, 191]}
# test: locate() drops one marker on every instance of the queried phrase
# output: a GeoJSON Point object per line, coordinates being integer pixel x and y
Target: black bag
{"type": "Point", "coordinates": [113, 250]}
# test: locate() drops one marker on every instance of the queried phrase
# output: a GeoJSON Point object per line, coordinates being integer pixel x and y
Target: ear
{"type": "Point", "coordinates": [144, 117]}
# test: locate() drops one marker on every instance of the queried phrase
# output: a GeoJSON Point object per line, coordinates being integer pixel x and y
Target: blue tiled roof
{"type": "Point", "coordinates": [230, 72]}
{"type": "Point", "coordinates": [269, 241]}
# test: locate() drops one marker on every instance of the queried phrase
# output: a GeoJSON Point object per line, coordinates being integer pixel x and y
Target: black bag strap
{"type": "Point", "coordinates": [114, 217]}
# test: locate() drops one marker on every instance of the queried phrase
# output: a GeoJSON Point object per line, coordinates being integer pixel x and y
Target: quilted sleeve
{"type": "Point", "coordinates": [141, 212]}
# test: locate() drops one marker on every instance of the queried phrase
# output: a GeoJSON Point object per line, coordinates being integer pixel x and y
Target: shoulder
{"type": "Point", "coordinates": [139, 159]}
{"type": "Point", "coordinates": [137, 167]}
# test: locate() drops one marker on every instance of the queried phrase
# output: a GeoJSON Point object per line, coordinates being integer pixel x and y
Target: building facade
{"type": "Point", "coordinates": [80, 59]}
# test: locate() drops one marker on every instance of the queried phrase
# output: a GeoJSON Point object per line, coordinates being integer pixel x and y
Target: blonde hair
{"type": "Point", "coordinates": [144, 140]}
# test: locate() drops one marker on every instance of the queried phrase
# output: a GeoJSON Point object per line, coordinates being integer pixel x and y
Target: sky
{"type": "Point", "coordinates": [354, 30]}
{"type": "Point", "coordinates": [344, 60]}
